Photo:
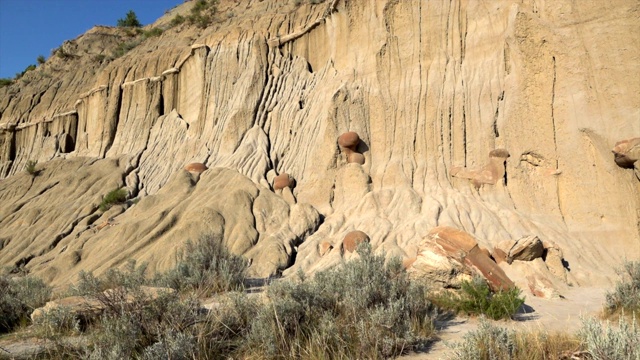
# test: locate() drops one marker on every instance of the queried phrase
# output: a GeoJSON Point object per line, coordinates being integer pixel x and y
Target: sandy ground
{"type": "Point", "coordinates": [559, 315]}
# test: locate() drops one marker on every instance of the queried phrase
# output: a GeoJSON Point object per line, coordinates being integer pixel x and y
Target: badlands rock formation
{"type": "Point", "coordinates": [430, 88]}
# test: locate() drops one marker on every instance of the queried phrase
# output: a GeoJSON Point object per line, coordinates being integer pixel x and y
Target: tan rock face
{"type": "Point", "coordinates": [355, 158]}
{"type": "Point", "coordinates": [353, 239]}
{"type": "Point", "coordinates": [489, 174]}
{"type": "Point", "coordinates": [324, 248]}
{"type": "Point", "coordinates": [275, 87]}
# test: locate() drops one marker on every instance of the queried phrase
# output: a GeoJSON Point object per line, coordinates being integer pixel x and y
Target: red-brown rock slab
{"type": "Point", "coordinates": [452, 240]}
{"type": "Point", "coordinates": [499, 255]}
{"type": "Point", "coordinates": [353, 239]}
{"type": "Point", "coordinates": [483, 265]}
{"type": "Point", "coordinates": [349, 140]}
{"type": "Point", "coordinates": [462, 247]}
{"type": "Point", "coordinates": [196, 167]}
{"type": "Point", "coordinates": [282, 181]}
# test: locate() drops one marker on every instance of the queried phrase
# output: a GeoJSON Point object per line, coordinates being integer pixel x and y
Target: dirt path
{"type": "Point", "coordinates": [545, 315]}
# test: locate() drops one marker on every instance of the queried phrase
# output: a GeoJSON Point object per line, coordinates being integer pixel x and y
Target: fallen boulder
{"type": "Point", "coordinates": [526, 249]}
{"type": "Point", "coordinates": [449, 255]}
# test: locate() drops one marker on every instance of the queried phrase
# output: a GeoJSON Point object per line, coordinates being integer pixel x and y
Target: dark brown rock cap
{"type": "Point", "coordinates": [282, 181]}
{"type": "Point", "coordinates": [349, 140]}
{"type": "Point", "coordinates": [353, 239]}
{"type": "Point", "coordinates": [196, 167]}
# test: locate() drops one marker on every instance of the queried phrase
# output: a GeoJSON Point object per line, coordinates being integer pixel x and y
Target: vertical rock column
{"type": "Point", "coordinates": [94, 129]}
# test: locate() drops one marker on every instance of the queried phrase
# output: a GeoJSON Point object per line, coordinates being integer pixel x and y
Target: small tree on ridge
{"type": "Point", "coordinates": [130, 20]}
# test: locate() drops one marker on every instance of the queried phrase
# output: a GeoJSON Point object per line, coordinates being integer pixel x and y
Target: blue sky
{"type": "Point", "coordinates": [29, 28]}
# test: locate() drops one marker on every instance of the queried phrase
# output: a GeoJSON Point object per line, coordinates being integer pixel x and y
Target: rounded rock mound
{"type": "Point", "coordinates": [282, 181]}
{"type": "Point", "coordinates": [353, 239]}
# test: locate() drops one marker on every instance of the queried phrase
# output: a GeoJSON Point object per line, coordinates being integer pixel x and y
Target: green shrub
{"type": "Point", "coordinates": [362, 309]}
{"type": "Point", "coordinates": [18, 298]}
{"type": "Point", "coordinates": [177, 20]}
{"type": "Point", "coordinates": [125, 47]}
{"type": "Point", "coordinates": [5, 82]}
{"type": "Point", "coordinates": [605, 341]}
{"type": "Point", "coordinates": [61, 53]}
{"type": "Point", "coordinates": [206, 267]}
{"type": "Point", "coordinates": [113, 197]}
{"type": "Point", "coordinates": [626, 296]}
{"type": "Point", "coordinates": [152, 32]}
{"type": "Point", "coordinates": [31, 167]}
{"type": "Point", "coordinates": [130, 20]}
{"type": "Point", "coordinates": [202, 13]}
{"type": "Point", "coordinates": [475, 298]}
{"type": "Point", "coordinates": [41, 59]}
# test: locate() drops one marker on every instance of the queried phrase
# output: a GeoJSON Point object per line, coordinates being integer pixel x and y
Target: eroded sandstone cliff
{"type": "Point", "coordinates": [429, 87]}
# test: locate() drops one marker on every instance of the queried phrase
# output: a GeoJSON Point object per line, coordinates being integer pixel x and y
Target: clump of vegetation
{"type": "Point", "coordinates": [490, 342]}
{"type": "Point", "coordinates": [125, 47]}
{"type": "Point", "coordinates": [206, 267]}
{"type": "Point", "coordinates": [31, 167]}
{"type": "Point", "coordinates": [18, 298]}
{"type": "Point", "coordinates": [41, 59]}
{"type": "Point", "coordinates": [595, 340]}
{"type": "Point", "coordinates": [363, 309]}
{"type": "Point", "coordinates": [26, 70]}
{"type": "Point", "coordinates": [113, 197]}
{"type": "Point", "coordinates": [177, 20]}
{"type": "Point", "coordinates": [61, 53]}
{"type": "Point", "coordinates": [5, 82]}
{"type": "Point", "coordinates": [626, 296]}
{"type": "Point", "coordinates": [153, 32]}
{"type": "Point", "coordinates": [602, 340]}
{"type": "Point", "coordinates": [476, 298]}
{"type": "Point", "coordinates": [202, 13]}
{"type": "Point", "coordinates": [130, 20]}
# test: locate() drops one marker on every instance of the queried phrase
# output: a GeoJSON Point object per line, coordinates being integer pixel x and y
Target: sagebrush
{"type": "Point", "coordinates": [626, 296]}
{"type": "Point", "coordinates": [18, 298]}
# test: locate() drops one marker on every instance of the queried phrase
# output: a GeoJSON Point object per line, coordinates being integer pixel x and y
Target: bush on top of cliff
{"type": "Point", "coordinates": [130, 20]}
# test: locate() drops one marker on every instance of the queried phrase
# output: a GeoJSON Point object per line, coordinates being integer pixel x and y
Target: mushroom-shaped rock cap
{"type": "Point", "coordinates": [282, 181]}
{"type": "Point", "coordinates": [499, 153]}
{"type": "Point", "coordinates": [196, 167]}
{"type": "Point", "coordinates": [349, 140]}
{"type": "Point", "coordinates": [353, 239]}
